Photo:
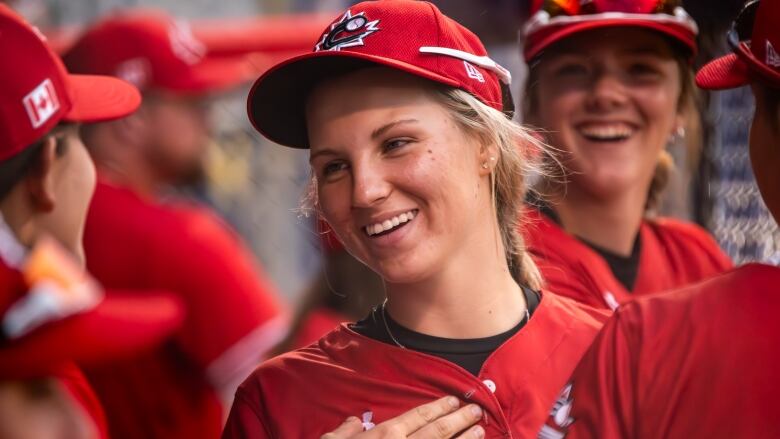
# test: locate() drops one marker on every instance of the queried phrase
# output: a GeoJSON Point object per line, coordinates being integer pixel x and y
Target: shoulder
{"type": "Point", "coordinates": [682, 232]}
{"type": "Point", "coordinates": [115, 206]}
{"type": "Point", "coordinates": [748, 286]}
{"type": "Point", "coordinates": [573, 309]}
{"type": "Point", "coordinates": [298, 367]}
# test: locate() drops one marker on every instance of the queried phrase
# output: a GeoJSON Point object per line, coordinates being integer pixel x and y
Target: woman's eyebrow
{"type": "Point", "coordinates": [319, 153]}
{"type": "Point", "coordinates": [381, 130]}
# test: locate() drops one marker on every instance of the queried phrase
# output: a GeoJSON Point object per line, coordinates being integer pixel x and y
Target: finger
{"type": "Point", "coordinates": [449, 425]}
{"type": "Point", "coordinates": [423, 415]}
{"type": "Point", "coordinates": [350, 427]}
{"type": "Point", "coordinates": [475, 432]}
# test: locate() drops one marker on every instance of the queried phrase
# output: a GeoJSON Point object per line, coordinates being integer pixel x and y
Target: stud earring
{"type": "Point", "coordinates": [484, 165]}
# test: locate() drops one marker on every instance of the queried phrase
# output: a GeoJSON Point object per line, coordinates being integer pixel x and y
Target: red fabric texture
{"type": "Point", "coordinates": [308, 392]}
{"type": "Point", "coordinates": [316, 325]}
{"type": "Point", "coordinates": [77, 386]}
{"type": "Point", "coordinates": [673, 254]}
{"type": "Point", "coordinates": [134, 243]}
{"type": "Point", "coordinates": [701, 362]}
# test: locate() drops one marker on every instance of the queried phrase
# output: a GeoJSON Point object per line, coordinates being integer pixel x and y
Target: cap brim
{"type": "Point", "coordinates": [276, 104]}
{"type": "Point", "coordinates": [725, 72]}
{"type": "Point", "coordinates": [121, 325]}
{"type": "Point", "coordinates": [100, 98]}
{"type": "Point", "coordinates": [217, 74]}
{"type": "Point", "coordinates": [551, 35]}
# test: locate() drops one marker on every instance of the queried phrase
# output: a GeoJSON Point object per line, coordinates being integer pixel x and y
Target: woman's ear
{"type": "Point", "coordinates": [487, 158]}
{"type": "Point", "coordinates": [40, 182]}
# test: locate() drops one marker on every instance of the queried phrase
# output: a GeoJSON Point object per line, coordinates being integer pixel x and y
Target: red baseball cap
{"type": "Point", "coordinates": [53, 313]}
{"type": "Point", "coordinates": [558, 19]}
{"type": "Point", "coordinates": [412, 36]}
{"type": "Point", "coordinates": [152, 50]}
{"type": "Point", "coordinates": [38, 93]}
{"type": "Point", "coordinates": [755, 39]}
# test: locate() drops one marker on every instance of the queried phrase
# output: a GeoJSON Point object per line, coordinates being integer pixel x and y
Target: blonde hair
{"type": "Point", "coordinates": [516, 145]}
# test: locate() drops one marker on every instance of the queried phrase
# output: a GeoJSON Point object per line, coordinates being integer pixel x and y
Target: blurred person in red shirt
{"type": "Point", "coordinates": [134, 239]}
{"type": "Point", "coordinates": [51, 313]}
{"type": "Point", "coordinates": [701, 362]}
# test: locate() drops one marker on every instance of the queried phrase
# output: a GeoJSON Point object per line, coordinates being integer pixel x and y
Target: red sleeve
{"type": "Point", "coordinates": [233, 314]}
{"type": "Point", "coordinates": [244, 421]}
{"type": "Point", "coordinates": [77, 386]}
{"type": "Point", "coordinates": [600, 398]}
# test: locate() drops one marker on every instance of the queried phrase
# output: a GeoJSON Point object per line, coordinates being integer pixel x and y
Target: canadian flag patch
{"type": "Point", "coordinates": [41, 103]}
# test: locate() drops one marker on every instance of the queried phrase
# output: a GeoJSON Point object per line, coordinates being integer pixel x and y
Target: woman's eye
{"type": "Point", "coordinates": [642, 70]}
{"type": "Point", "coordinates": [395, 144]}
{"type": "Point", "coordinates": [333, 167]}
{"type": "Point", "coordinates": [571, 70]}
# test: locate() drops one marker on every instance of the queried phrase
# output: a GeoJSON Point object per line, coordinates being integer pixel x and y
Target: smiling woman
{"type": "Point", "coordinates": [611, 85]}
{"type": "Point", "coordinates": [420, 173]}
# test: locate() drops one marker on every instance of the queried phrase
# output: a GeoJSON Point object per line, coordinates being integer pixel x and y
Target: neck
{"type": "Point", "coordinates": [610, 223]}
{"type": "Point", "coordinates": [19, 219]}
{"type": "Point", "coordinates": [137, 177]}
{"type": "Point", "coordinates": [474, 296]}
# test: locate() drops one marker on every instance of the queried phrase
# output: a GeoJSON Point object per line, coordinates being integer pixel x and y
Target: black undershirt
{"type": "Point", "coordinates": [624, 268]}
{"type": "Point", "coordinates": [469, 354]}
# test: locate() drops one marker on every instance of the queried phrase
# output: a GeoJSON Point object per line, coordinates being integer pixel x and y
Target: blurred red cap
{"type": "Point", "coordinates": [755, 39]}
{"type": "Point", "coordinates": [152, 50]}
{"type": "Point", "coordinates": [555, 20]}
{"type": "Point", "coordinates": [38, 93]}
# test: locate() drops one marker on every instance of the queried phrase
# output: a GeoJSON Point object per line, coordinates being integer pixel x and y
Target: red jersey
{"type": "Point", "coordinates": [306, 393]}
{"type": "Point", "coordinates": [316, 324]}
{"type": "Point", "coordinates": [232, 313]}
{"type": "Point", "coordinates": [673, 254]}
{"type": "Point", "coordinates": [702, 362]}
{"type": "Point", "coordinates": [77, 386]}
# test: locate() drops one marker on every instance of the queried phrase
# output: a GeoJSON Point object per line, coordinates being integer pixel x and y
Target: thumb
{"type": "Point", "coordinates": [350, 427]}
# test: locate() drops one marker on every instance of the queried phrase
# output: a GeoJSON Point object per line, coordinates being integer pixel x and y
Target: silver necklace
{"type": "Point", "coordinates": [387, 327]}
{"type": "Point", "coordinates": [397, 343]}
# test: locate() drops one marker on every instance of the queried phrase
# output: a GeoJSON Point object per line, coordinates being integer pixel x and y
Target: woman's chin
{"type": "Point", "coordinates": [400, 273]}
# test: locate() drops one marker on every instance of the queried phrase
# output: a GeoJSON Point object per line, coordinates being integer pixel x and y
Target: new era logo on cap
{"type": "Point", "coordinates": [772, 58]}
{"type": "Point", "coordinates": [473, 72]}
{"type": "Point", "coordinates": [41, 103]}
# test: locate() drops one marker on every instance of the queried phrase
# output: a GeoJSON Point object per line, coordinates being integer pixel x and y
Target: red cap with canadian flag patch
{"type": "Point", "coordinates": [412, 36]}
{"type": "Point", "coordinates": [38, 93]}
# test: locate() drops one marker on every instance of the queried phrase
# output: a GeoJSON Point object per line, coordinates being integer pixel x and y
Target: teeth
{"type": "Point", "coordinates": [373, 229]}
{"type": "Point", "coordinates": [607, 131]}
